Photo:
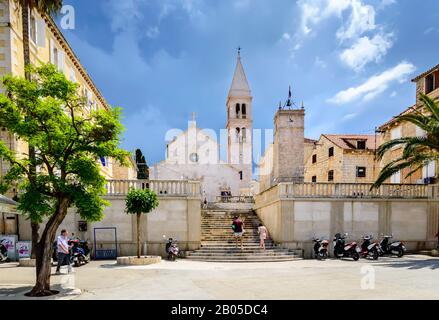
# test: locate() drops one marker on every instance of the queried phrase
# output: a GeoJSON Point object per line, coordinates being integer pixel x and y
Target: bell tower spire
{"type": "Point", "coordinates": [240, 124]}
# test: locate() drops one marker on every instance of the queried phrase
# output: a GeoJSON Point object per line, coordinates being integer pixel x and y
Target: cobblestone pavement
{"type": "Point", "coordinates": [412, 277]}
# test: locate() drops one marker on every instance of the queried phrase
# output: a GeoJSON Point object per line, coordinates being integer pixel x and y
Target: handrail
{"type": "Point", "coordinates": [161, 187]}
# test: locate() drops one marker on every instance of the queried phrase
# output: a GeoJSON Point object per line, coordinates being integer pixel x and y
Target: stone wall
{"type": "Point", "coordinates": [176, 217]}
{"type": "Point", "coordinates": [293, 222]}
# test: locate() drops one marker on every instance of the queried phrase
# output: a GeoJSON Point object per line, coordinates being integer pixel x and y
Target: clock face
{"type": "Point", "coordinates": [193, 157]}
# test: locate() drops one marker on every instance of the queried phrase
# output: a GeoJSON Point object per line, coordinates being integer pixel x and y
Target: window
{"type": "Point", "coordinates": [395, 133]}
{"type": "Point", "coordinates": [244, 111]}
{"type": "Point", "coordinates": [361, 144]}
{"type": "Point", "coordinates": [314, 158]}
{"type": "Point", "coordinates": [238, 110]}
{"type": "Point", "coordinates": [420, 132]}
{"type": "Point", "coordinates": [240, 175]}
{"type": "Point", "coordinates": [361, 172]}
{"type": "Point", "coordinates": [429, 83]}
{"type": "Point", "coordinates": [396, 178]}
{"type": "Point", "coordinates": [429, 170]}
{"type": "Point", "coordinates": [33, 28]}
{"type": "Point", "coordinates": [331, 152]}
{"type": "Point", "coordinates": [237, 131]}
{"type": "Point", "coordinates": [244, 134]}
{"type": "Point", "coordinates": [193, 157]}
{"type": "Point", "coordinates": [314, 179]}
{"type": "Point", "coordinates": [331, 175]}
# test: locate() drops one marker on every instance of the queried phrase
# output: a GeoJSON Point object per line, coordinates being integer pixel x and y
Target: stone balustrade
{"type": "Point", "coordinates": [356, 190]}
{"type": "Point", "coordinates": [172, 188]}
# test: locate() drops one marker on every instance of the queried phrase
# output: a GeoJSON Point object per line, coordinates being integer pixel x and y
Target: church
{"type": "Point", "coordinates": [195, 153]}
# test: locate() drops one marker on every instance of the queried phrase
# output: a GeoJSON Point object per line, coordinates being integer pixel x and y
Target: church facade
{"type": "Point", "coordinates": [195, 153]}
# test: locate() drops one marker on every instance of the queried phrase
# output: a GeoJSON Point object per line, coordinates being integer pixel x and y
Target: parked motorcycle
{"type": "Point", "coordinates": [320, 248]}
{"type": "Point", "coordinates": [172, 249]}
{"type": "Point", "coordinates": [343, 250]}
{"type": "Point", "coordinates": [3, 253]}
{"type": "Point", "coordinates": [369, 249]}
{"type": "Point", "coordinates": [79, 252]}
{"type": "Point", "coordinates": [391, 248]}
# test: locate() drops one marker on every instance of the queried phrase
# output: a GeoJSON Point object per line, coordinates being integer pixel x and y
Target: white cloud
{"type": "Point", "coordinates": [374, 85]}
{"type": "Point", "coordinates": [153, 32]}
{"type": "Point", "coordinates": [349, 116]}
{"type": "Point", "coordinates": [393, 94]}
{"type": "Point", "coordinates": [366, 50]}
{"type": "Point", "coordinates": [320, 63]}
{"type": "Point", "coordinates": [362, 19]}
{"type": "Point", "coordinates": [286, 36]}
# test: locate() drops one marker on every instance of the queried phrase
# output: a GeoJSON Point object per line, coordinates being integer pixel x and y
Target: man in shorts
{"type": "Point", "coordinates": [238, 230]}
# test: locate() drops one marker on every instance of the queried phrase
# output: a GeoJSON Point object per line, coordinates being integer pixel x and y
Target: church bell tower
{"type": "Point", "coordinates": [240, 124]}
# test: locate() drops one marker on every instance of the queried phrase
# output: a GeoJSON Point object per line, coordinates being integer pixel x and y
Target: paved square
{"type": "Point", "coordinates": [412, 277]}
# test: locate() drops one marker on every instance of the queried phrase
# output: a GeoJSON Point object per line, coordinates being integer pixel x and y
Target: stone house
{"type": "Point", "coordinates": [342, 159]}
{"type": "Point", "coordinates": [427, 83]}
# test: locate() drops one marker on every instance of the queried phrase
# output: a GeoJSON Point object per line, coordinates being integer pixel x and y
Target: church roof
{"type": "Point", "coordinates": [240, 86]}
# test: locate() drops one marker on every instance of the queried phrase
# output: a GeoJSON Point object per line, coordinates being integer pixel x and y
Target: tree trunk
{"type": "Point", "coordinates": [138, 234]}
{"type": "Point", "coordinates": [25, 12]}
{"type": "Point", "coordinates": [35, 228]}
{"type": "Point", "coordinates": [44, 250]}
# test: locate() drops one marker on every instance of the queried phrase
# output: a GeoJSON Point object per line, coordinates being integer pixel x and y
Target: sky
{"type": "Point", "coordinates": [349, 61]}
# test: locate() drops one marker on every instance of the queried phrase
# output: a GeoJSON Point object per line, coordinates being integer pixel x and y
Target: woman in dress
{"type": "Point", "coordinates": [263, 234]}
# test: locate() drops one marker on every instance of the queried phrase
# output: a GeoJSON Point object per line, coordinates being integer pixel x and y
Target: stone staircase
{"type": "Point", "coordinates": [219, 245]}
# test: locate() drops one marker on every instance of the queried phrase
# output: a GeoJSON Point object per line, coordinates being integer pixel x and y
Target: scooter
{"type": "Point", "coordinates": [343, 250]}
{"type": "Point", "coordinates": [320, 248]}
{"type": "Point", "coordinates": [79, 253]}
{"type": "Point", "coordinates": [391, 248]}
{"type": "Point", "coordinates": [3, 253]}
{"type": "Point", "coordinates": [368, 248]}
{"type": "Point", "coordinates": [172, 249]}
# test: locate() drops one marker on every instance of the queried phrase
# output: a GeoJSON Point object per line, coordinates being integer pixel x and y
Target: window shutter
{"type": "Point", "coordinates": [61, 60]}
{"type": "Point", "coordinates": [52, 51]}
{"type": "Point", "coordinates": [41, 32]}
{"type": "Point", "coordinates": [72, 74]}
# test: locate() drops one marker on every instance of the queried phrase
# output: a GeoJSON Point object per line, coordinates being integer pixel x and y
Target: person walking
{"type": "Point", "coordinates": [238, 230]}
{"type": "Point", "coordinates": [263, 235]}
{"type": "Point", "coordinates": [62, 247]}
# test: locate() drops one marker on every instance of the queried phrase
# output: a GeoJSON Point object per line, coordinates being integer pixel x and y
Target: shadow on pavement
{"type": "Point", "coordinates": [413, 264]}
{"type": "Point", "coordinates": [14, 291]}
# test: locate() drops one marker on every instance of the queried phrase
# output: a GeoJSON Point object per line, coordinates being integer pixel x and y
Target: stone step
{"type": "Point", "coordinates": [237, 254]}
{"type": "Point", "coordinates": [246, 259]}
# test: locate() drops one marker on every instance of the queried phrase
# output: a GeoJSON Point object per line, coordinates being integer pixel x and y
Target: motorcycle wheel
{"type": "Point", "coordinates": [400, 253]}
{"type": "Point", "coordinates": [356, 256]}
{"type": "Point", "coordinates": [375, 255]}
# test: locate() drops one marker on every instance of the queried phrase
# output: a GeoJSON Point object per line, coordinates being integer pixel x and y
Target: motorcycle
{"type": "Point", "coordinates": [172, 249]}
{"type": "Point", "coordinates": [343, 250]}
{"type": "Point", "coordinates": [79, 252]}
{"type": "Point", "coordinates": [3, 253]}
{"type": "Point", "coordinates": [320, 248]}
{"type": "Point", "coordinates": [369, 248]}
{"type": "Point", "coordinates": [391, 248]}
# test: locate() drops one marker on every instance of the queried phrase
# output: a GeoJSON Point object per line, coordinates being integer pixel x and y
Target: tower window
{"type": "Point", "coordinates": [237, 134]}
{"type": "Point", "coordinates": [244, 111]}
{"type": "Point", "coordinates": [244, 135]}
{"type": "Point", "coordinates": [331, 152]}
{"type": "Point", "coordinates": [331, 175]}
{"type": "Point", "coordinates": [238, 110]}
{"type": "Point", "coordinates": [314, 158]}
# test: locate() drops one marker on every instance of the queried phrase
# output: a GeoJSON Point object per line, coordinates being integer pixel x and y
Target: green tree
{"type": "Point", "coordinates": [69, 137]}
{"type": "Point", "coordinates": [44, 7]}
{"type": "Point", "coordinates": [138, 202]}
{"type": "Point", "coordinates": [142, 166]}
{"type": "Point", "coordinates": [418, 151]}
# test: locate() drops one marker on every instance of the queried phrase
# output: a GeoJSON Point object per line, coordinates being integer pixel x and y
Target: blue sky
{"type": "Point", "coordinates": [350, 61]}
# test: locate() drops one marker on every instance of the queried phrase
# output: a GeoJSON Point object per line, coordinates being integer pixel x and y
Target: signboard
{"type": "Point", "coordinates": [9, 243]}
{"type": "Point", "coordinates": [23, 249]}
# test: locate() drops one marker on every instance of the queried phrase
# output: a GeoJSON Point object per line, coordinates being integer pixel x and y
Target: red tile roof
{"type": "Point", "coordinates": [345, 141]}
